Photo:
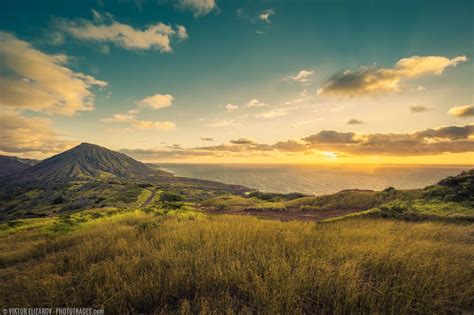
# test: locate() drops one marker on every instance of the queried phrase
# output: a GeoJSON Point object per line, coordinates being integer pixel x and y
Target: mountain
{"type": "Point", "coordinates": [12, 164]}
{"type": "Point", "coordinates": [82, 162]}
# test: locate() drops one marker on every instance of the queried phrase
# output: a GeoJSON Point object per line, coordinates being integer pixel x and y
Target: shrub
{"type": "Point", "coordinates": [169, 196]}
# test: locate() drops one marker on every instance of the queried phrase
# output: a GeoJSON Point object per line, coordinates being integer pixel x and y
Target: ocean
{"type": "Point", "coordinates": [317, 180]}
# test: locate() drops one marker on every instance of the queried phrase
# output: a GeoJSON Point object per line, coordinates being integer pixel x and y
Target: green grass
{"type": "Point", "coordinates": [267, 206]}
{"type": "Point", "coordinates": [350, 200]}
{"type": "Point", "coordinates": [229, 201]}
{"type": "Point", "coordinates": [185, 261]}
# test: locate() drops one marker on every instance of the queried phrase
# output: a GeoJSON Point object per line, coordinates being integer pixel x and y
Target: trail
{"type": "Point", "coordinates": [149, 199]}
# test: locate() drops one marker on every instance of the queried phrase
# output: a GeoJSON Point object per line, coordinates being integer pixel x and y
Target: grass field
{"type": "Point", "coordinates": [188, 262]}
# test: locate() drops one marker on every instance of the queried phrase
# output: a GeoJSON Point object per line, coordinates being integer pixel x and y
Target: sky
{"type": "Point", "coordinates": [322, 81]}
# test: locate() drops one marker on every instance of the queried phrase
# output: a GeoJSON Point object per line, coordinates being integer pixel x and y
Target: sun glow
{"type": "Point", "coordinates": [330, 155]}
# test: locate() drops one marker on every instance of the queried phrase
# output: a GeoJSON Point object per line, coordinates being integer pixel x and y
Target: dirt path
{"type": "Point", "coordinates": [287, 215]}
{"type": "Point", "coordinates": [149, 199]}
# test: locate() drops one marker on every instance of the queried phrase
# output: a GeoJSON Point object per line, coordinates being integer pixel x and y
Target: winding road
{"type": "Point", "coordinates": [149, 199]}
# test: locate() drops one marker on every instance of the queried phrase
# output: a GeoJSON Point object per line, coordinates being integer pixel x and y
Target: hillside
{"type": "Point", "coordinates": [84, 161]}
{"type": "Point", "coordinates": [451, 199]}
{"type": "Point", "coordinates": [89, 176]}
{"type": "Point", "coordinates": [12, 164]}
{"type": "Point", "coordinates": [162, 261]}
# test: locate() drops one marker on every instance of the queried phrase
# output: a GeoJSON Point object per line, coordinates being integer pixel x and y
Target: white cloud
{"type": "Point", "coordinates": [378, 80]}
{"type": "Point", "coordinates": [197, 7]}
{"type": "Point", "coordinates": [130, 118]}
{"type": "Point", "coordinates": [336, 109]}
{"type": "Point", "coordinates": [302, 76]}
{"type": "Point", "coordinates": [272, 114]}
{"type": "Point", "coordinates": [296, 101]}
{"type": "Point", "coordinates": [222, 123]}
{"type": "Point", "coordinates": [157, 101]}
{"type": "Point", "coordinates": [265, 15]}
{"type": "Point", "coordinates": [40, 82]}
{"type": "Point", "coordinates": [418, 89]}
{"type": "Point", "coordinates": [106, 29]}
{"type": "Point", "coordinates": [256, 103]}
{"type": "Point", "coordinates": [231, 107]}
{"type": "Point", "coordinates": [462, 111]}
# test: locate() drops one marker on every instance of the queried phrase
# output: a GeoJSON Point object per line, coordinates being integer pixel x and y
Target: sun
{"type": "Point", "coordinates": [331, 155]}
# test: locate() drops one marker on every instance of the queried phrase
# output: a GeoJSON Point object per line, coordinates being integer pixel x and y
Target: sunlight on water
{"type": "Point", "coordinates": [317, 180]}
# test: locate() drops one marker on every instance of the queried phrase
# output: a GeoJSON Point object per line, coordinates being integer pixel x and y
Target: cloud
{"type": "Point", "coordinates": [272, 114]}
{"type": "Point", "coordinates": [371, 80]}
{"type": "Point", "coordinates": [332, 137]}
{"type": "Point", "coordinates": [207, 139]}
{"type": "Point", "coordinates": [302, 123]}
{"type": "Point", "coordinates": [33, 80]}
{"type": "Point", "coordinates": [290, 146]}
{"type": "Point", "coordinates": [304, 96]}
{"type": "Point", "coordinates": [355, 122]}
{"type": "Point", "coordinates": [105, 29]}
{"type": "Point", "coordinates": [157, 101]}
{"type": "Point", "coordinates": [418, 89]}
{"type": "Point", "coordinates": [29, 135]}
{"type": "Point", "coordinates": [446, 133]}
{"type": "Point", "coordinates": [256, 103]}
{"type": "Point", "coordinates": [462, 111]}
{"type": "Point", "coordinates": [264, 16]}
{"type": "Point", "coordinates": [454, 139]}
{"type": "Point", "coordinates": [243, 141]}
{"type": "Point", "coordinates": [131, 119]}
{"type": "Point", "coordinates": [302, 76]}
{"type": "Point", "coordinates": [419, 109]}
{"type": "Point", "coordinates": [222, 123]}
{"type": "Point", "coordinates": [181, 32]}
{"type": "Point", "coordinates": [197, 7]}
{"type": "Point", "coordinates": [231, 107]}
{"type": "Point", "coordinates": [296, 101]}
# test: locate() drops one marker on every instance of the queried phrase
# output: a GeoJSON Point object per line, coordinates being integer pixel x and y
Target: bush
{"type": "Point", "coordinates": [145, 185]}
{"type": "Point", "coordinates": [169, 196]}
{"type": "Point", "coordinates": [173, 205]}
{"type": "Point", "coordinates": [272, 197]}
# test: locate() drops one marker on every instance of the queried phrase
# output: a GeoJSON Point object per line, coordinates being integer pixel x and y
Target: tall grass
{"type": "Point", "coordinates": [138, 262]}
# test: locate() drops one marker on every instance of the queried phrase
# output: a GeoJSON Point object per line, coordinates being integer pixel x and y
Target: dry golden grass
{"type": "Point", "coordinates": [139, 262]}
